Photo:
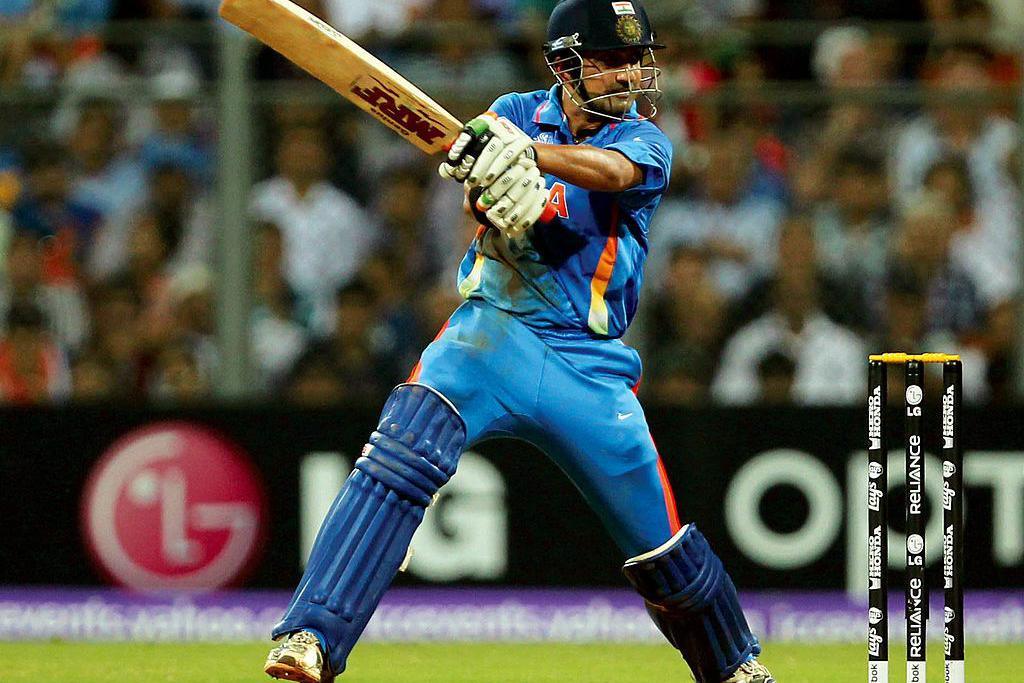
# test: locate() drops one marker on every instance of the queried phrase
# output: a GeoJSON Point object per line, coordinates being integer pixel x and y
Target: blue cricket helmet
{"type": "Point", "coordinates": [599, 25]}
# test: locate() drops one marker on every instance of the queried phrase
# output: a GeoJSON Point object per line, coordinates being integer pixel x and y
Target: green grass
{"type": "Point", "coordinates": [456, 663]}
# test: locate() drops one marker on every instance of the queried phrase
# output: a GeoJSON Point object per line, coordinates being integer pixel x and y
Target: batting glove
{"type": "Point", "coordinates": [487, 147]}
{"type": "Point", "coordinates": [516, 200]}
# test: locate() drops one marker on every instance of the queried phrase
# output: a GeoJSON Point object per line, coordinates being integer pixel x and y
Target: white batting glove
{"type": "Point", "coordinates": [486, 148]}
{"type": "Point", "coordinates": [516, 199]}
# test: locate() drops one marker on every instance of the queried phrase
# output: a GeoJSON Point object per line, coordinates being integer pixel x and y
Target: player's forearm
{"type": "Point", "coordinates": [591, 168]}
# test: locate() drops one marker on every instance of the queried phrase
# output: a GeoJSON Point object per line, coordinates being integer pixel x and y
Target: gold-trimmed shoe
{"type": "Point", "coordinates": [751, 672]}
{"type": "Point", "coordinates": [298, 658]}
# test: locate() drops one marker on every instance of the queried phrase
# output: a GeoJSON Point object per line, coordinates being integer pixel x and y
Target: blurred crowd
{"type": "Point", "coordinates": [797, 236]}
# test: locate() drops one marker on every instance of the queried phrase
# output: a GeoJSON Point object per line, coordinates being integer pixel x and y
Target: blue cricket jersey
{"type": "Point", "coordinates": [579, 275]}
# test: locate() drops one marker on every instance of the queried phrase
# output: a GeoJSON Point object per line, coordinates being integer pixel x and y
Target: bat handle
{"type": "Point", "coordinates": [476, 195]}
{"type": "Point", "coordinates": [550, 211]}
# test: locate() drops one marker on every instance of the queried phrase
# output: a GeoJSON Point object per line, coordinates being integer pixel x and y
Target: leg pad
{"type": "Point", "coordinates": [366, 534]}
{"type": "Point", "coordinates": [693, 601]}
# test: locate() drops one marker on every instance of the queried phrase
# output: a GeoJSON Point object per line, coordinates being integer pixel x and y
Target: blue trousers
{"type": "Point", "coordinates": [574, 400]}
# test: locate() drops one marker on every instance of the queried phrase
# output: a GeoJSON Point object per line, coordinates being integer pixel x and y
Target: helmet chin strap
{"type": "Point", "coordinates": [580, 89]}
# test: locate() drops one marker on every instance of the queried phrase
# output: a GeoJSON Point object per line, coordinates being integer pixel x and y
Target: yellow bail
{"type": "Point", "coordinates": [923, 357]}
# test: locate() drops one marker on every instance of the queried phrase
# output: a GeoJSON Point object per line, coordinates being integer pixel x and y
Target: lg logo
{"type": "Point", "coordinates": [464, 533]}
{"type": "Point", "coordinates": [173, 506]}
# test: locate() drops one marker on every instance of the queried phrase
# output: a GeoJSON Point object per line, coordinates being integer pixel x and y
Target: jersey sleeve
{"type": "Point", "coordinates": [511, 107]}
{"type": "Point", "coordinates": [647, 147]}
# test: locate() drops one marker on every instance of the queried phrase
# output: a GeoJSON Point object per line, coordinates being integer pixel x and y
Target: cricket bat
{"type": "Point", "coordinates": [342, 64]}
{"type": "Point", "coordinates": [338, 61]}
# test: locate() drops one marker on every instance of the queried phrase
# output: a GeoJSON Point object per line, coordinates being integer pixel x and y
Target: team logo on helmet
{"type": "Point", "coordinates": [629, 30]}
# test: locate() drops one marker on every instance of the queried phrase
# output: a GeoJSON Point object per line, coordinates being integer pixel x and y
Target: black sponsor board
{"type": "Point", "coordinates": [809, 518]}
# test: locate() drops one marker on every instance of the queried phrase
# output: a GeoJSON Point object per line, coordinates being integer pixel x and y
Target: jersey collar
{"type": "Point", "coordinates": [549, 111]}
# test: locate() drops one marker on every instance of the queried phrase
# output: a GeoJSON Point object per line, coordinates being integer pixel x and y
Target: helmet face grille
{"type": "Point", "coordinates": [568, 66]}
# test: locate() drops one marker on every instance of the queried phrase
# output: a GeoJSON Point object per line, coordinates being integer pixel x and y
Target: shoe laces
{"type": "Point", "coordinates": [305, 638]}
{"type": "Point", "coordinates": [755, 668]}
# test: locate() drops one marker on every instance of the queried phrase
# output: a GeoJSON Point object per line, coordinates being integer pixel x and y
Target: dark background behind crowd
{"type": "Point", "coordinates": [847, 179]}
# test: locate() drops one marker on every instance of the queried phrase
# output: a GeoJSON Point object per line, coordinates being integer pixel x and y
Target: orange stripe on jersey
{"type": "Point", "coordinates": [598, 317]}
{"type": "Point", "coordinates": [670, 498]}
{"type": "Point", "coordinates": [414, 376]}
{"type": "Point", "coordinates": [666, 486]}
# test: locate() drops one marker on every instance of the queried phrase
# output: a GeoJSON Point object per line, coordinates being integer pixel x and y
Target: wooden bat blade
{"type": "Point", "coordinates": [338, 61]}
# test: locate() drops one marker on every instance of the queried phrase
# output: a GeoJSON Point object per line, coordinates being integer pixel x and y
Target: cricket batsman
{"type": "Point", "coordinates": [535, 353]}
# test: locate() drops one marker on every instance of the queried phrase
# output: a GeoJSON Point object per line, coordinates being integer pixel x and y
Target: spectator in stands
{"type": "Point", "coordinates": [41, 37]}
{"type": "Point", "coordinates": [846, 61]}
{"type": "Point", "coordinates": [178, 378]}
{"type": "Point", "coordinates": [10, 188]}
{"type": "Point", "coordinates": [350, 153]}
{"type": "Point", "coordinates": [33, 369]}
{"type": "Point", "coordinates": [147, 272]}
{"type": "Point", "coordinates": [399, 207]}
{"type": "Point", "coordinates": [922, 249]}
{"type": "Point", "coordinates": [776, 374]}
{"type": "Point", "coordinates": [840, 296]}
{"type": "Point", "coordinates": [47, 212]}
{"type": "Point", "coordinates": [17, 24]}
{"type": "Point", "coordinates": [996, 24]}
{"type": "Point", "coordinates": [277, 337]}
{"type": "Point", "coordinates": [61, 302]}
{"type": "Point", "coordinates": [93, 380]}
{"type": "Point", "coordinates": [327, 236]}
{"type": "Point", "coordinates": [370, 19]}
{"type": "Point", "coordinates": [195, 9]}
{"type": "Point", "coordinates": [176, 219]}
{"type": "Point", "coordinates": [677, 377]}
{"type": "Point", "coordinates": [903, 323]}
{"type": "Point", "coordinates": [433, 308]}
{"type": "Point", "coordinates": [829, 358]}
{"type": "Point", "coordinates": [986, 243]}
{"type": "Point", "coordinates": [394, 297]}
{"type": "Point", "coordinates": [362, 349]}
{"type": "Point", "coordinates": [192, 299]}
{"type": "Point", "coordinates": [736, 231]}
{"type": "Point", "coordinates": [1007, 25]}
{"type": "Point", "coordinates": [176, 137]}
{"type": "Point", "coordinates": [464, 52]}
{"type": "Point", "coordinates": [116, 323]}
{"type": "Point", "coordinates": [158, 51]}
{"type": "Point", "coordinates": [687, 314]}
{"type": "Point", "coordinates": [183, 213]}
{"type": "Point", "coordinates": [448, 229]}
{"type": "Point", "coordinates": [105, 176]}
{"type": "Point", "coordinates": [81, 15]}
{"type": "Point", "coordinates": [987, 247]}
{"type": "Point", "coordinates": [853, 227]}
{"type": "Point", "coordinates": [958, 124]}
{"type": "Point", "coordinates": [315, 382]}
{"type": "Point", "coordinates": [357, 360]}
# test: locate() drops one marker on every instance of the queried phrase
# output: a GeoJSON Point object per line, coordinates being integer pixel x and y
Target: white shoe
{"type": "Point", "coordinates": [298, 657]}
{"type": "Point", "coordinates": [751, 672]}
